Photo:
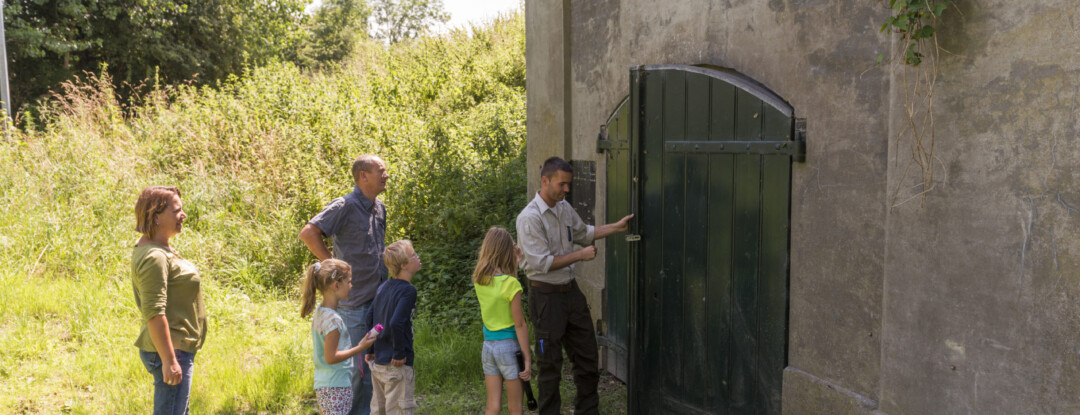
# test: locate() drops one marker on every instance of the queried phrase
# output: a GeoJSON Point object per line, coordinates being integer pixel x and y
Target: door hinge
{"type": "Point", "coordinates": [800, 140]}
{"type": "Point", "coordinates": [601, 139]}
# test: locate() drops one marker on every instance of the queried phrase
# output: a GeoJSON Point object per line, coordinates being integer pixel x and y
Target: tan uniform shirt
{"type": "Point", "coordinates": [166, 284]}
{"type": "Point", "coordinates": [547, 232]}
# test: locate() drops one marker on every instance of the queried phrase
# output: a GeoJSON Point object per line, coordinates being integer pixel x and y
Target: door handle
{"type": "Point", "coordinates": [633, 238]}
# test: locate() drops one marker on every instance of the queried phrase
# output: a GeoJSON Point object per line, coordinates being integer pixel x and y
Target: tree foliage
{"type": "Point", "coordinates": [397, 20]}
{"type": "Point", "coordinates": [51, 41]}
{"type": "Point", "coordinates": [335, 30]}
{"type": "Point", "coordinates": [194, 41]}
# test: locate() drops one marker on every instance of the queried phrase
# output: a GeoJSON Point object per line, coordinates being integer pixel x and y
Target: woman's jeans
{"type": "Point", "coordinates": [170, 399]}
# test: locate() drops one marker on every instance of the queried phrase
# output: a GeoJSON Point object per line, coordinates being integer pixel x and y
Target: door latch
{"type": "Point", "coordinates": [633, 238]}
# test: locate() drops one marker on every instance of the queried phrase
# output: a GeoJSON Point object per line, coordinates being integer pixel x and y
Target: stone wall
{"type": "Point", "coordinates": [965, 302]}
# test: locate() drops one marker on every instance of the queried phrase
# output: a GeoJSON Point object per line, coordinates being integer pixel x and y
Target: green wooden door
{"type": "Point", "coordinates": [622, 155]}
{"type": "Point", "coordinates": [707, 283]}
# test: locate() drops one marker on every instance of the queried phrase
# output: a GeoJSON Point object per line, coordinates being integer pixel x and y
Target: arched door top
{"type": "Point", "coordinates": [732, 77]}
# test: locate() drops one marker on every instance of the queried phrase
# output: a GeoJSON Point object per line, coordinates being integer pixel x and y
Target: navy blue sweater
{"type": "Point", "coordinates": [393, 307]}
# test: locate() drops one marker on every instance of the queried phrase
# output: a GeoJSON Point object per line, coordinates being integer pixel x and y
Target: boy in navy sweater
{"type": "Point", "coordinates": [391, 358]}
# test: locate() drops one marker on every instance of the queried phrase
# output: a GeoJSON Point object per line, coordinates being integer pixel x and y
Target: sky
{"type": "Point", "coordinates": [463, 12]}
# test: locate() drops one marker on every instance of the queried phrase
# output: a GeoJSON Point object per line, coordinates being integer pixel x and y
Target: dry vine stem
{"type": "Point", "coordinates": [918, 83]}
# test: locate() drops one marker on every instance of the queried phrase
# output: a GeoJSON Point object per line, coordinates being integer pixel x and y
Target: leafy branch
{"type": "Point", "coordinates": [914, 20]}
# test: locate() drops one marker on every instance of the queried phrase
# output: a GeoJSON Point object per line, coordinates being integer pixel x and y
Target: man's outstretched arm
{"type": "Point", "coordinates": [622, 225]}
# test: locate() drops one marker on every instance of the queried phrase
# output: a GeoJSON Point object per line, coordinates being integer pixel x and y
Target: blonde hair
{"type": "Point", "coordinates": [396, 256]}
{"type": "Point", "coordinates": [318, 277]}
{"type": "Point", "coordinates": [496, 253]}
{"type": "Point", "coordinates": [152, 201]}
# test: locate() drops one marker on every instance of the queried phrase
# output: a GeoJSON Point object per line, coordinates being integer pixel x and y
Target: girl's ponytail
{"type": "Point", "coordinates": [307, 296]}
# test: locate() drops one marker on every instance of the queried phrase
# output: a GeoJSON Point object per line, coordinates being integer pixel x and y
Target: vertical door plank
{"type": "Point", "coordinates": [773, 287]}
{"type": "Point", "coordinates": [672, 317]}
{"type": "Point", "coordinates": [748, 116]}
{"type": "Point", "coordinates": [696, 326]}
{"type": "Point", "coordinates": [697, 107]}
{"type": "Point", "coordinates": [651, 250]}
{"type": "Point", "coordinates": [777, 126]}
{"type": "Point", "coordinates": [718, 359]}
{"type": "Point", "coordinates": [721, 111]}
{"type": "Point", "coordinates": [674, 106]}
{"type": "Point", "coordinates": [617, 253]}
{"type": "Point", "coordinates": [745, 274]}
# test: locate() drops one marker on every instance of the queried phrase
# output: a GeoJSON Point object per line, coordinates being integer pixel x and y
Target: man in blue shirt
{"type": "Point", "coordinates": [357, 224]}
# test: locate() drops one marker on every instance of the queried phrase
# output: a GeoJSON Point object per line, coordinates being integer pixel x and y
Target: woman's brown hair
{"type": "Point", "coordinates": [496, 253]}
{"type": "Point", "coordinates": [152, 201]}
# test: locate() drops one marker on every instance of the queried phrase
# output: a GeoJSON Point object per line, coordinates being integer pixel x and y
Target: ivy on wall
{"type": "Point", "coordinates": [915, 23]}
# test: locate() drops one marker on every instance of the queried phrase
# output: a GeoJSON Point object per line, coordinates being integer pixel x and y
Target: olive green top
{"type": "Point", "coordinates": [167, 284]}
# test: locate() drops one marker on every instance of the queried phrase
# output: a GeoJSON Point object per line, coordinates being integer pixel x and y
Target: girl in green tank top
{"type": "Point", "coordinates": [505, 332]}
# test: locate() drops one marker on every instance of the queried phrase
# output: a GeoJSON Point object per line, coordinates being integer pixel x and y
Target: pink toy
{"type": "Point", "coordinates": [376, 330]}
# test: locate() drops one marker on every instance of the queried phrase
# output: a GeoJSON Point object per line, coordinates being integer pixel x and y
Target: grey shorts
{"type": "Point", "coordinates": [498, 358]}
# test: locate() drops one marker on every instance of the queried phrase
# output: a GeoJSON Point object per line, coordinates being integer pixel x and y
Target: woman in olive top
{"type": "Point", "coordinates": [168, 297]}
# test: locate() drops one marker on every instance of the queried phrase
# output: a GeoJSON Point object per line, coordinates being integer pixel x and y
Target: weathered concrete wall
{"type": "Point", "coordinates": [981, 287]}
{"type": "Point", "coordinates": [546, 118]}
{"type": "Point", "coordinates": [967, 304]}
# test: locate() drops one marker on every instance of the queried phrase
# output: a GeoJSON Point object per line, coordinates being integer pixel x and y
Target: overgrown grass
{"type": "Point", "coordinates": [449, 379]}
{"type": "Point", "coordinates": [66, 348]}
